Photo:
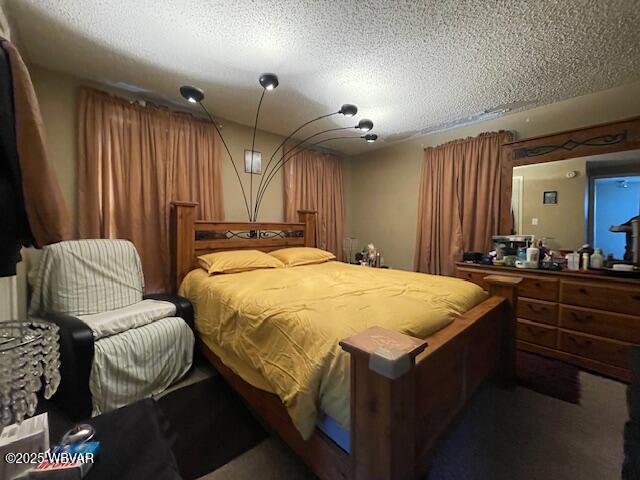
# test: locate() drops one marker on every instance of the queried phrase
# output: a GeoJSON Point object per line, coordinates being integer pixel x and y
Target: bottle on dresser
{"type": "Point", "coordinates": [597, 259]}
{"type": "Point", "coordinates": [573, 261]}
{"type": "Point", "coordinates": [533, 254]}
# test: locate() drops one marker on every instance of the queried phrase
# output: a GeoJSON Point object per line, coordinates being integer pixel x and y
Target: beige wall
{"type": "Point", "coordinates": [383, 188]}
{"type": "Point", "coordinates": [563, 224]}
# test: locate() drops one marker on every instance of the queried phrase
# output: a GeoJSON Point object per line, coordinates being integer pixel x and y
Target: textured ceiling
{"type": "Point", "coordinates": [409, 66]}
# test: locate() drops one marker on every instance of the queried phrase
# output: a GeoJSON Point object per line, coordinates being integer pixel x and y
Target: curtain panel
{"type": "Point", "coordinates": [132, 162]}
{"type": "Point", "coordinates": [313, 180]}
{"type": "Point", "coordinates": [459, 206]}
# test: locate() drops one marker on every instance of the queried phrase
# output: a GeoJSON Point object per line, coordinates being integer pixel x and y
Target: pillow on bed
{"type": "Point", "coordinates": [295, 256]}
{"type": "Point", "coordinates": [236, 261]}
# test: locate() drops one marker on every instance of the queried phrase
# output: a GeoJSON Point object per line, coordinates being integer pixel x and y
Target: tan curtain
{"type": "Point", "coordinates": [132, 162]}
{"type": "Point", "coordinates": [459, 206]}
{"type": "Point", "coordinates": [313, 180]}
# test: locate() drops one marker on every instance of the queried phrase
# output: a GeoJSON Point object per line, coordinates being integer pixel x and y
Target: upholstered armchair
{"type": "Point", "coordinates": [117, 345]}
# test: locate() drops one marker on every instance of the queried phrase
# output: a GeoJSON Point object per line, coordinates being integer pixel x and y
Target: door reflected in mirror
{"type": "Point", "coordinates": [572, 202]}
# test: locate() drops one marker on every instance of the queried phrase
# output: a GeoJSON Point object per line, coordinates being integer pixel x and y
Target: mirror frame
{"type": "Point", "coordinates": [609, 137]}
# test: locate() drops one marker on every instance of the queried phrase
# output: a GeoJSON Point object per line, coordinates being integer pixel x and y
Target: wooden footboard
{"type": "Point", "coordinates": [405, 392]}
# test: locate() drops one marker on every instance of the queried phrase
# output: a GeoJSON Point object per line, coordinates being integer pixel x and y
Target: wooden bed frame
{"type": "Point", "coordinates": [405, 391]}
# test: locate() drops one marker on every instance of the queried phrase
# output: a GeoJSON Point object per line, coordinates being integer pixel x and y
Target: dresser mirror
{"type": "Point", "coordinates": [572, 202]}
{"type": "Point", "coordinates": [569, 189]}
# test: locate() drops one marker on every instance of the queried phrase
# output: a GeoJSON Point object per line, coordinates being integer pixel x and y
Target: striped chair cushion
{"type": "Point", "coordinates": [139, 363]}
{"type": "Point", "coordinates": [83, 277]}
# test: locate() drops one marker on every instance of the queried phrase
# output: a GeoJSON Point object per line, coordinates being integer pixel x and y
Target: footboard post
{"type": "Point", "coordinates": [507, 287]}
{"type": "Point", "coordinates": [383, 404]}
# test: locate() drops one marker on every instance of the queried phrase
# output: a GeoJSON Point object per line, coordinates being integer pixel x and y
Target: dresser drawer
{"type": "Point", "coordinates": [473, 276]}
{"type": "Point", "coordinates": [610, 298]}
{"type": "Point", "coordinates": [539, 288]}
{"type": "Point", "coordinates": [612, 352]}
{"type": "Point", "coordinates": [538, 310]}
{"type": "Point", "coordinates": [611, 325]}
{"type": "Point", "coordinates": [535, 333]}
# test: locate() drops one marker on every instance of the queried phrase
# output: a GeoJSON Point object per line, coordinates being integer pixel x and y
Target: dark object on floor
{"type": "Point", "coordinates": [135, 442]}
{"type": "Point", "coordinates": [549, 377]}
{"type": "Point", "coordinates": [631, 466]}
{"type": "Point", "coordinates": [212, 424]}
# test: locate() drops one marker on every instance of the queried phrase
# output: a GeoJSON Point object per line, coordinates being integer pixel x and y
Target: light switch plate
{"type": "Point", "coordinates": [534, 221]}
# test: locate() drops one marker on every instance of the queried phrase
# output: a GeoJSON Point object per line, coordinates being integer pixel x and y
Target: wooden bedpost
{"type": "Point", "coordinates": [507, 287]}
{"type": "Point", "coordinates": [308, 217]}
{"type": "Point", "coordinates": [183, 216]}
{"type": "Point", "coordinates": [383, 403]}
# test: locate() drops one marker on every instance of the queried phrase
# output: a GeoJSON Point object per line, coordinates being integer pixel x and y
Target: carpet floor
{"type": "Point", "coordinates": [504, 435]}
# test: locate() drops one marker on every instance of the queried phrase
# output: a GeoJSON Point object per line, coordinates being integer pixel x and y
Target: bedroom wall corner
{"type": "Point", "coordinates": [387, 188]}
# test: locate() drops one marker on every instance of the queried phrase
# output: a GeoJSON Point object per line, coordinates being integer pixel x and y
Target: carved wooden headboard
{"type": "Point", "coordinates": [191, 238]}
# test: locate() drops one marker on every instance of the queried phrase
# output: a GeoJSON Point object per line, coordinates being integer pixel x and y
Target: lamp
{"type": "Point", "coordinates": [365, 125]}
{"type": "Point", "coordinates": [192, 94]}
{"type": "Point", "coordinates": [348, 110]}
{"type": "Point", "coordinates": [269, 81]}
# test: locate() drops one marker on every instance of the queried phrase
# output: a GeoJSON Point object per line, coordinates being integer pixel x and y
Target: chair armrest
{"type": "Point", "coordinates": [76, 359]}
{"type": "Point", "coordinates": [184, 309]}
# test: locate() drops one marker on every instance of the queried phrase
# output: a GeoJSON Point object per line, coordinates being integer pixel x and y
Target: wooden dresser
{"type": "Point", "coordinates": [587, 319]}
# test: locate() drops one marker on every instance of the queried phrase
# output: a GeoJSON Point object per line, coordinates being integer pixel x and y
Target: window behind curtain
{"type": "Point", "coordinates": [132, 162]}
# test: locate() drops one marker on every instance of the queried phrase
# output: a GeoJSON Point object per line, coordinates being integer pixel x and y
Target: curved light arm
{"type": "Point", "coordinates": [278, 163]}
{"type": "Point", "coordinates": [282, 163]}
{"type": "Point", "coordinates": [244, 195]}
{"type": "Point", "coordinates": [253, 144]}
{"type": "Point", "coordinates": [282, 143]}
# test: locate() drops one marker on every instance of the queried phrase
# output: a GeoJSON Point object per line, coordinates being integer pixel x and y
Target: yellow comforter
{"type": "Point", "coordinates": [279, 328]}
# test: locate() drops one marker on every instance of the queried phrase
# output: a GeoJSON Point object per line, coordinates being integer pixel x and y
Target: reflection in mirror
{"type": "Point", "coordinates": [569, 203]}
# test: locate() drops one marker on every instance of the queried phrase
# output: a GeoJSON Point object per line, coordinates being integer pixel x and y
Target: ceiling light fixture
{"type": "Point", "coordinates": [269, 81]}
{"type": "Point", "coordinates": [365, 125]}
{"type": "Point", "coordinates": [348, 110]}
{"type": "Point", "coordinates": [192, 94]}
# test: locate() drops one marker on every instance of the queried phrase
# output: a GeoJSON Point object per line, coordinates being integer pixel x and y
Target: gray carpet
{"type": "Point", "coordinates": [503, 435]}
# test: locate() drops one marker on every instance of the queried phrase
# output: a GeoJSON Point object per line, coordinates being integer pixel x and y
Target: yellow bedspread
{"type": "Point", "coordinates": [279, 328]}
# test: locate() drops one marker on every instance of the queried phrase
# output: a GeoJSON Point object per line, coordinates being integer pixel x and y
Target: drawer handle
{"type": "Point", "coordinates": [580, 318]}
{"type": "Point", "coordinates": [636, 297]}
{"type": "Point", "coordinates": [581, 343]}
{"type": "Point", "coordinates": [534, 332]}
{"type": "Point", "coordinates": [583, 290]}
{"type": "Point", "coordinates": [538, 284]}
{"type": "Point", "coordinates": [533, 309]}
